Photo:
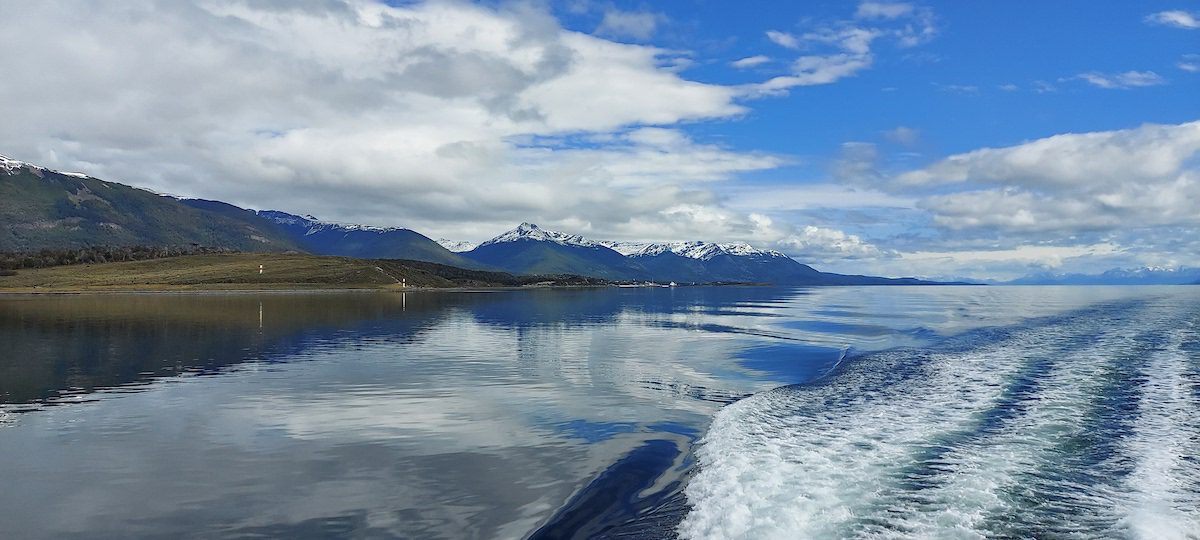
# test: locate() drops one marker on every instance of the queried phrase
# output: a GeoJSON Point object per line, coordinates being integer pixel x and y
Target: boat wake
{"type": "Point", "coordinates": [1078, 426]}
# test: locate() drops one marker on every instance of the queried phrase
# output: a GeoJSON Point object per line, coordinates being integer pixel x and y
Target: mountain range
{"type": "Point", "coordinates": [43, 208]}
{"type": "Point", "coordinates": [323, 238]}
{"type": "Point", "coordinates": [1116, 276]}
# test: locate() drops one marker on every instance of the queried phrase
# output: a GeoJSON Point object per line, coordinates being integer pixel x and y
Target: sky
{"type": "Point", "coordinates": [937, 139]}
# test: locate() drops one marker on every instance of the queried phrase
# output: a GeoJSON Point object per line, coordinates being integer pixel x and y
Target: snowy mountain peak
{"type": "Point", "coordinates": [456, 246]}
{"type": "Point", "coordinates": [693, 250]}
{"type": "Point", "coordinates": [315, 225]}
{"type": "Point", "coordinates": [529, 231]}
{"type": "Point", "coordinates": [10, 165]}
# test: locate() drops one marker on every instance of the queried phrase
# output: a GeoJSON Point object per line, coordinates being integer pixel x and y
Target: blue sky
{"type": "Point", "coordinates": [939, 139]}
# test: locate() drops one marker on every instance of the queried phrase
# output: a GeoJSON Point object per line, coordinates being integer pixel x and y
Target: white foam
{"type": "Point", "coordinates": [852, 458]}
{"type": "Point", "coordinates": [1163, 501]}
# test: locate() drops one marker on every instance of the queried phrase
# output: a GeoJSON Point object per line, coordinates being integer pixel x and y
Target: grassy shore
{"type": "Point", "coordinates": [233, 272]}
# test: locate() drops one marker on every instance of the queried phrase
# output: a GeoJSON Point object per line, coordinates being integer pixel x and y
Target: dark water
{"type": "Point", "coordinates": [579, 413]}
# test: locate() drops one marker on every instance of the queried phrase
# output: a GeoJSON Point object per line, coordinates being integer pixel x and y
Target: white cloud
{"type": "Point", "coordinates": [1128, 79]}
{"type": "Point", "coordinates": [821, 244]}
{"type": "Point", "coordinates": [454, 119]}
{"type": "Point", "coordinates": [810, 243]}
{"type": "Point", "coordinates": [902, 135]}
{"type": "Point", "coordinates": [1148, 153]}
{"type": "Point", "coordinates": [783, 39]}
{"type": "Point", "coordinates": [630, 24]}
{"type": "Point", "coordinates": [1006, 263]}
{"type": "Point", "coordinates": [957, 88]}
{"type": "Point", "coordinates": [858, 164]}
{"type": "Point", "coordinates": [1177, 18]}
{"type": "Point", "coordinates": [750, 61]}
{"type": "Point", "coordinates": [811, 71]}
{"type": "Point", "coordinates": [1101, 181]}
{"type": "Point", "coordinates": [883, 10]}
{"type": "Point", "coordinates": [841, 49]}
{"type": "Point", "coordinates": [777, 198]}
{"type": "Point", "coordinates": [1190, 63]}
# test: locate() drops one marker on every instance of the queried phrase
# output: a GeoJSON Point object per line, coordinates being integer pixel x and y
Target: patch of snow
{"type": "Point", "coordinates": [627, 249]}
{"type": "Point", "coordinates": [315, 225]}
{"type": "Point", "coordinates": [456, 245]}
{"type": "Point", "coordinates": [9, 165]}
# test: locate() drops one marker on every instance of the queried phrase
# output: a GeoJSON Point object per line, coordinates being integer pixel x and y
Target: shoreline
{"type": "Point", "coordinates": [290, 289]}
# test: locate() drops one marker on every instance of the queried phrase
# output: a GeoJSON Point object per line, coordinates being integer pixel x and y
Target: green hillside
{"type": "Point", "coordinates": [40, 208]}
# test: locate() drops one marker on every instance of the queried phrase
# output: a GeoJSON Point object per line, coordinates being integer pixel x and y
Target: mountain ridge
{"type": "Point", "coordinates": [363, 241]}
{"type": "Point", "coordinates": [1115, 276]}
{"type": "Point", "coordinates": [44, 208]}
{"type": "Point", "coordinates": [531, 248]}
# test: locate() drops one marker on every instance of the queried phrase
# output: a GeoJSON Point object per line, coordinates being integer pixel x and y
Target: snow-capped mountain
{"type": "Point", "coordinates": [51, 209]}
{"type": "Point", "coordinates": [456, 246]}
{"type": "Point", "coordinates": [9, 165]}
{"type": "Point", "coordinates": [529, 249]}
{"type": "Point", "coordinates": [529, 231]}
{"type": "Point", "coordinates": [698, 250]}
{"type": "Point", "coordinates": [312, 225]}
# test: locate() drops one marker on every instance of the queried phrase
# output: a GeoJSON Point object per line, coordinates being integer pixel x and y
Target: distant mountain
{"type": "Point", "coordinates": [531, 249]}
{"type": "Point", "coordinates": [325, 238]}
{"type": "Point", "coordinates": [42, 208]}
{"type": "Point", "coordinates": [528, 249]}
{"type": "Point", "coordinates": [456, 246]}
{"type": "Point", "coordinates": [1116, 276]}
{"type": "Point", "coordinates": [711, 262]}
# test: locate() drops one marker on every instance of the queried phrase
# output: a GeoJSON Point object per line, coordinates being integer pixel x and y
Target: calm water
{"type": "Point", "coordinates": [867, 412]}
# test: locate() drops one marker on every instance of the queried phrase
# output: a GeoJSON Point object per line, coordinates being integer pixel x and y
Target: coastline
{"type": "Point", "coordinates": [291, 288]}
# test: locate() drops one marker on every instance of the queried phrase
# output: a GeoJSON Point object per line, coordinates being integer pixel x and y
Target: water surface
{"type": "Point", "coordinates": [875, 411]}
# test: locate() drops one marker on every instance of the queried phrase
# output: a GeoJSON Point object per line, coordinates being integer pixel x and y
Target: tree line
{"type": "Point", "coordinates": [11, 261]}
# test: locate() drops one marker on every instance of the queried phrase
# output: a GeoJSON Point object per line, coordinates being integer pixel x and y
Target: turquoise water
{"type": "Point", "coordinates": [740, 412]}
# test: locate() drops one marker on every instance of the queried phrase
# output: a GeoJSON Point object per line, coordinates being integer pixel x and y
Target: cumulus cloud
{"type": "Point", "coordinates": [1076, 202]}
{"type": "Point", "coordinates": [821, 244]}
{"type": "Point", "coordinates": [451, 118]}
{"type": "Point", "coordinates": [1176, 18]}
{"type": "Point", "coordinates": [630, 24]}
{"type": "Point", "coordinates": [1148, 153]}
{"type": "Point", "coordinates": [1128, 79]}
{"type": "Point", "coordinates": [1072, 183]}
